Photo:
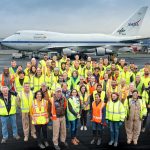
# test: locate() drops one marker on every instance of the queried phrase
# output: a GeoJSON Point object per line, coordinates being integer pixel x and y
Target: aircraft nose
{"type": "Point", "coordinates": [5, 41]}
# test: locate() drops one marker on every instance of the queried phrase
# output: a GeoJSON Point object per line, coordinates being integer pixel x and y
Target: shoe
{"type": "Point", "coordinates": [17, 137]}
{"type": "Point", "coordinates": [93, 141]}
{"type": "Point", "coordinates": [143, 130]}
{"type": "Point", "coordinates": [135, 142]}
{"type": "Point", "coordinates": [41, 146]}
{"type": "Point", "coordinates": [98, 142]}
{"type": "Point", "coordinates": [46, 144]}
{"type": "Point", "coordinates": [85, 128]}
{"type": "Point", "coordinates": [81, 128]}
{"type": "Point", "coordinates": [115, 144]}
{"type": "Point", "coordinates": [56, 147]}
{"type": "Point", "coordinates": [34, 136]}
{"type": "Point", "coordinates": [25, 139]}
{"type": "Point", "coordinates": [3, 141]}
{"type": "Point", "coordinates": [110, 143]}
{"type": "Point", "coordinates": [65, 144]}
{"type": "Point", "coordinates": [77, 140]}
{"type": "Point", "coordinates": [74, 142]}
{"type": "Point", "coordinates": [128, 141]}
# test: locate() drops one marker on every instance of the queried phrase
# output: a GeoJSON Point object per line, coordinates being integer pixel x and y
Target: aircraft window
{"type": "Point", "coordinates": [17, 33]}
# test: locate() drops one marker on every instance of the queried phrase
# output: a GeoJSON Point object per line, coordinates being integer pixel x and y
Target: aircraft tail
{"type": "Point", "coordinates": [132, 25]}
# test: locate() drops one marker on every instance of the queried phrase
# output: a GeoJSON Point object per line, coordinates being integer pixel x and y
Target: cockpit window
{"type": "Point", "coordinates": [17, 33]}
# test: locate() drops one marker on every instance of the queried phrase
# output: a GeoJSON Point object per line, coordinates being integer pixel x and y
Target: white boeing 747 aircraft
{"type": "Point", "coordinates": [125, 35]}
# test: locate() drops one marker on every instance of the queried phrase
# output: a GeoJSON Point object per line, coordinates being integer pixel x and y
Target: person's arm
{"type": "Point", "coordinates": [71, 109]}
{"type": "Point", "coordinates": [18, 101]}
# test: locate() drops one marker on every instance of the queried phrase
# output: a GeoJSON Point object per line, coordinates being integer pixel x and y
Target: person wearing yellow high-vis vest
{"type": "Point", "coordinates": [42, 62]}
{"type": "Point", "coordinates": [135, 109]}
{"type": "Point", "coordinates": [127, 74]}
{"type": "Point", "coordinates": [139, 84]}
{"type": "Point", "coordinates": [73, 113]}
{"type": "Point", "coordinates": [146, 98]}
{"type": "Point", "coordinates": [115, 114]}
{"type": "Point", "coordinates": [146, 77]}
{"type": "Point", "coordinates": [85, 106]}
{"type": "Point", "coordinates": [25, 99]}
{"type": "Point", "coordinates": [13, 68]}
{"type": "Point", "coordinates": [37, 80]}
{"type": "Point", "coordinates": [20, 80]}
{"type": "Point", "coordinates": [113, 88]}
{"type": "Point", "coordinates": [40, 118]}
{"type": "Point", "coordinates": [74, 79]}
{"type": "Point", "coordinates": [8, 113]}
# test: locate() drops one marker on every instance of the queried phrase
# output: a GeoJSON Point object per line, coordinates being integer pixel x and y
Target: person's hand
{"type": "Point", "coordinates": [120, 123]}
{"type": "Point", "coordinates": [148, 106]}
{"type": "Point", "coordinates": [107, 121]}
{"type": "Point", "coordinates": [78, 115]}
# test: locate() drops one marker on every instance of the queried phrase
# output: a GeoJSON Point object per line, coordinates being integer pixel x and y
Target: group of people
{"type": "Point", "coordinates": [65, 92]}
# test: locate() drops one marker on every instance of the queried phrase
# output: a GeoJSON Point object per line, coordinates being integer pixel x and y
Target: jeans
{"type": "Point", "coordinates": [40, 128]}
{"type": "Point", "coordinates": [114, 130]}
{"type": "Point", "coordinates": [97, 129]}
{"type": "Point", "coordinates": [97, 126]}
{"type": "Point", "coordinates": [4, 121]}
{"type": "Point", "coordinates": [73, 128]}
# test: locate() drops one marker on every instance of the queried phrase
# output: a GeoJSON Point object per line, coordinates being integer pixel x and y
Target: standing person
{"type": "Point", "coordinates": [115, 114]}
{"type": "Point", "coordinates": [73, 112]}
{"type": "Point", "coordinates": [7, 79]}
{"type": "Point", "coordinates": [146, 98]}
{"type": "Point", "coordinates": [8, 112]}
{"type": "Point", "coordinates": [20, 80]}
{"type": "Point", "coordinates": [40, 118]}
{"type": "Point", "coordinates": [66, 94]}
{"type": "Point", "coordinates": [135, 111]}
{"type": "Point", "coordinates": [25, 99]}
{"type": "Point", "coordinates": [13, 68]}
{"type": "Point", "coordinates": [85, 106]}
{"type": "Point", "coordinates": [59, 105]}
{"type": "Point", "coordinates": [98, 118]}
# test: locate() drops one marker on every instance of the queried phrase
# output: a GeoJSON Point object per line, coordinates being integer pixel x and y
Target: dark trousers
{"type": "Point", "coordinates": [39, 129]}
{"type": "Point", "coordinates": [83, 118]}
{"type": "Point", "coordinates": [145, 119]}
{"type": "Point", "coordinates": [73, 127]}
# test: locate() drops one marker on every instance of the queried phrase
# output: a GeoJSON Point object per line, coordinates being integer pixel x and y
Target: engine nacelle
{"type": "Point", "coordinates": [68, 51]}
{"type": "Point", "coordinates": [100, 51]}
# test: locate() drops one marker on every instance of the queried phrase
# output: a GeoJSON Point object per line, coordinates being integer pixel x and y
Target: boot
{"type": "Point", "coordinates": [94, 137]}
{"type": "Point", "coordinates": [99, 138]}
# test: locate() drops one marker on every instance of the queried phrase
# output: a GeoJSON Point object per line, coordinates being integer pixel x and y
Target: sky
{"type": "Point", "coordinates": [69, 16]}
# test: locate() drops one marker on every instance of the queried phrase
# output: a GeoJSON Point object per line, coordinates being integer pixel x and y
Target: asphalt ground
{"type": "Point", "coordinates": [84, 136]}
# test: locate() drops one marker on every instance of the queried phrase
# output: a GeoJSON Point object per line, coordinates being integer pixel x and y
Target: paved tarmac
{"type": "Point", "coordinates": [84, 136]}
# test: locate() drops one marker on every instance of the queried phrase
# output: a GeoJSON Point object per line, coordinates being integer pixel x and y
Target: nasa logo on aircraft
{"type": "Point", "coordinates": [121, 31]}
{"type": "Point", "coordinates": [134, 23]}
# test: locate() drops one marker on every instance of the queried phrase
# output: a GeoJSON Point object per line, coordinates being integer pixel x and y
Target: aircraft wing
{"type": "Point", "coordinates": [135, 40]}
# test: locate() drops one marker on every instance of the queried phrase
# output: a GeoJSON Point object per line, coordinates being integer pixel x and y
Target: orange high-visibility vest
{"type": "Point", "coordinates": [53, 109]}
{"type": "Point", "coordinates": [40, 114]}
{"type": "Point", "coordinates": [92, 88]}
{"type": "Point", "coordinates": [97, 112]}
{"type": "Point", "coordinates": [3, 81]}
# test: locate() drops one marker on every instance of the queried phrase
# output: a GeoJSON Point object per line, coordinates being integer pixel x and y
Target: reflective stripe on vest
{"type": "Point", "coordinates": [26, 101]}
{"type": "Point", "coordinates": [40, 115]}
{"type": "Point", "coordinates": [97, 112]}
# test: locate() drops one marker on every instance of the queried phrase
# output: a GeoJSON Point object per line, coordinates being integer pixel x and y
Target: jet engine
{"type": "Point", "coordinates": [100, 51]}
